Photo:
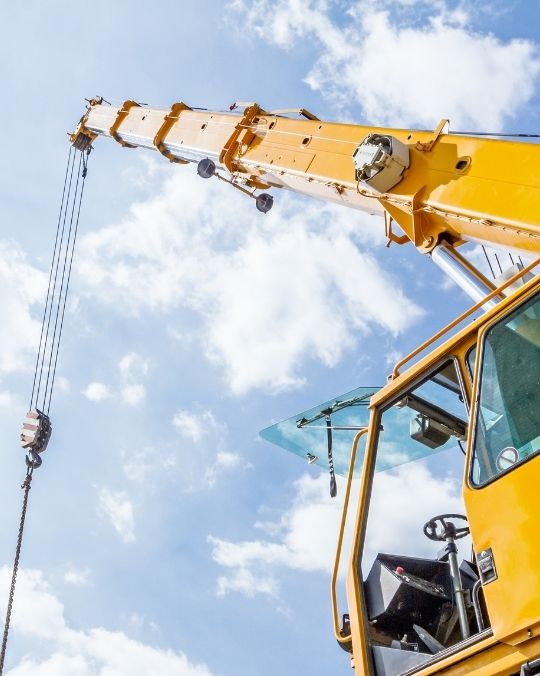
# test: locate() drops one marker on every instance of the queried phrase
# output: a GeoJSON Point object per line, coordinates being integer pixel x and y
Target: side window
{"type": "Point", "coordinates": [507, 429]}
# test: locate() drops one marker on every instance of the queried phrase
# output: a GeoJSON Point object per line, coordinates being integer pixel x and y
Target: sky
{"type": "Point", "coordinates": [163, 536]}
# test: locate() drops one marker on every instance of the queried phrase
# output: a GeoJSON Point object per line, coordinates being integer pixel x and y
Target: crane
{"type": "Point", "coordinates": [474, 386]}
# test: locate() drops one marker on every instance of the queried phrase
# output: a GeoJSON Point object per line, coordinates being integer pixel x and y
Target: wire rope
{"type": "Point", "coordinates": [48, 349]}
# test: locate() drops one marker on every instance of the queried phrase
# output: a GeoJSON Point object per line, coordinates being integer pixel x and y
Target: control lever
{"type": "Point", "coordinates": [441, 529]}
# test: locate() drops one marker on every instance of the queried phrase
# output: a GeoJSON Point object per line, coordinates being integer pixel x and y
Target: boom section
{"type": "Point", "coordinates": [448, 186]}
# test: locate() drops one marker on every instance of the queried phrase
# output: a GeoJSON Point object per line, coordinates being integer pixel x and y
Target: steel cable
{"type": "Point", "coordinates": [50, 275]}
{"type": "Point", "coordinates": [48, 350]}
{"type": "Point", "coordinates": [55, 266]}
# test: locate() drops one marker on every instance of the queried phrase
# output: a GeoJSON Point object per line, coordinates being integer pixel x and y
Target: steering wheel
{"type": "Point", "coordinates": [439, 527]}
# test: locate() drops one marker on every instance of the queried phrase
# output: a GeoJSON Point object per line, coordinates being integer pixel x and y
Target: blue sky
{"type": "Point", "coordinates": [163, 536]}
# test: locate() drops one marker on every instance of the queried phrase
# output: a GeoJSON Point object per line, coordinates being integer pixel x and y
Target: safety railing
{"type": "Point", "coordinates": [462, 317]}
{"type": "Point", "coordinates": [335, 610]}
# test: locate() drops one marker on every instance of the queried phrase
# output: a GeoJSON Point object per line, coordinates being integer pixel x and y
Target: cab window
{"type": "Point", "coordinates": [507, 430]}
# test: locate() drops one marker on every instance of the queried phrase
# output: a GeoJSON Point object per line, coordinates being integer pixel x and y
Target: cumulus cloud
{"type": "Point", "coordinates": [133, 394]}
{"type": "Point", "coordinates": [193, 425]}
{"type": "Point", "coordinates": [23, 286]}
{"type": "Point", "coordinates": [139, 464]}
{"type": "Point", "coordinates": [194, 459]}
{"type": "Point", "coordinates": [204, 454]}
{"type": "Point", "coordinates": [243, 581]}
{"type": "Point", "coordinates": [39, 616]}
{"type": "Point", "coordinates": [270, 292]}
{"type": "Point", "coordinates": [96, 391]}
{"type": "Point", "coordinates": [77, 576]}
{"type": "Point", "coordinates": [225, 461]}
{"type": "Point", "coordinates": [305, 537]}
{"type": "Point", "coordinates": [133, 366]}
{"type": "Point", "coordinates": [118, 508]}
{"type": "Point", "coordinates": [372, 55]}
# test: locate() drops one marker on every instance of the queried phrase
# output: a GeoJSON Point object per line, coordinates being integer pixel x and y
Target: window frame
{"type": "Point", "coordinates": [369, 472]}
{"type": "Point", "coordinates": [477, 391]}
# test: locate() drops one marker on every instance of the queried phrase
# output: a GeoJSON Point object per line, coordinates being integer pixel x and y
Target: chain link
{"type": "Point", "coordinates": [26, 487]}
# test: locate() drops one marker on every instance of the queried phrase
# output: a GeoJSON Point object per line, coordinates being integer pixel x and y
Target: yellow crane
{"type": "Point", "coordinates": [474, 386]}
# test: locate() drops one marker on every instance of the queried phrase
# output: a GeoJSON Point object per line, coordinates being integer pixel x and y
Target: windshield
{"type": "Point", "coordinates": [436, 404]}
{"type": "Point", "coordinates": [305, 433]}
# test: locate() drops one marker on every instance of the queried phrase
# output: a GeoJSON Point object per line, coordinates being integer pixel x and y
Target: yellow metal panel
{"type": "Point", "coordinates": [459, 187]}
{"type": "Point", "coordinates": [504, 515]}
{"type": "Point", "coordinates": [207, 132]}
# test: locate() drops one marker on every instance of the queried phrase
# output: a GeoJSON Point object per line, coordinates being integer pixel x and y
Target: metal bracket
{"type": "Point", "coordinates": [295, 111]}
{"type": "Point", "coordinates": [242, 134]}
{"type": "Point", "coordinates": [162, 132]}
{"type": "Point", "coordinates": [122, 114]}
{"type": "Point", "coordinates": [390, 234]}
{"type": "Point", "coordinates": [427, 147]}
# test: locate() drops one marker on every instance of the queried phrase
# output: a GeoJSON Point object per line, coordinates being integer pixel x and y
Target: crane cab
{"type": "Point", "coordinates": [445, 567]}
{"type": "Point", "coordinates": [444, 572]}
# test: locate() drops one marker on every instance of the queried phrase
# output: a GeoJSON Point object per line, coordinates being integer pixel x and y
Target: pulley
{"type": "Point", "coordinates": [36, 431]}
{"type": "Point", "coordinates": [380, 161]}
{"type": "Point", "coordinates": [264, 202]}
{"type": "Point", "coordinates": [206, 168]}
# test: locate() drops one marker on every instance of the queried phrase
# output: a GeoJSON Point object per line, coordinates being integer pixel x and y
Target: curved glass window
{"type": "Point", "coordinates": [507, 423]}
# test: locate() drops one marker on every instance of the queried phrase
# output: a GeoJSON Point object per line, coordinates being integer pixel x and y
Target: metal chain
{"type": "Point", "coordinates": [26, 486]}
{"type": "Point", "coordinates": [333, 484]}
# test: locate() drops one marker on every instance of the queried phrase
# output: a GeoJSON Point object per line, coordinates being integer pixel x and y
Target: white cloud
{"type": "Point", "coordinates": [133, 365]}
{"type": "Point", "coordinates": [118, 508]}
{"type": "Point", "coordinates": [245, 582]}
{"type": "Point", "coordinates": [305, 537]}
{"type": "Point", "coordinates": [133, 394]}
{"type": "Point", "coordinates": [225, 460]}
{"type": "Point", "coordinates": [193, 426]}
{"type": "Point", "coordinates": [228, 459]}
{"type": "Point", "coordinates": [97, 392]}
{"type": "Point", "coordinates": [39, 615]}
{"type": "Point", "coordinates": [202, 467]}
{"type": "Point", "coordinates": [77, 577]}
{"type": "Point", "coordinates": [194, 462]}
{"type": "Point", "coordinates": [270, 292]}
{"type": "Point", "coordinates": [132, 368]}
{"type": "Point", "coordinates": [140, 463]}
{"type": "Point", "coordinates": [374, 54]}
{"type": "Point", "coordinates": [23, 286]}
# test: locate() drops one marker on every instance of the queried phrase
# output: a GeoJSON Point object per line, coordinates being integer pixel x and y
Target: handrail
{"type": "Point", "coordinates": [458, 320]}
{"type": "Point", "coordinates": [337, 631]}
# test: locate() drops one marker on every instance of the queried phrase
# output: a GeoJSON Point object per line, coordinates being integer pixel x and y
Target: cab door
{"type": "Point", "coordinates": [502, 489]}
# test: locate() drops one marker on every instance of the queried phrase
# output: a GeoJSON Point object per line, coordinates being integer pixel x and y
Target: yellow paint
{"type": "Point", "coordinates": [457, 187]}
